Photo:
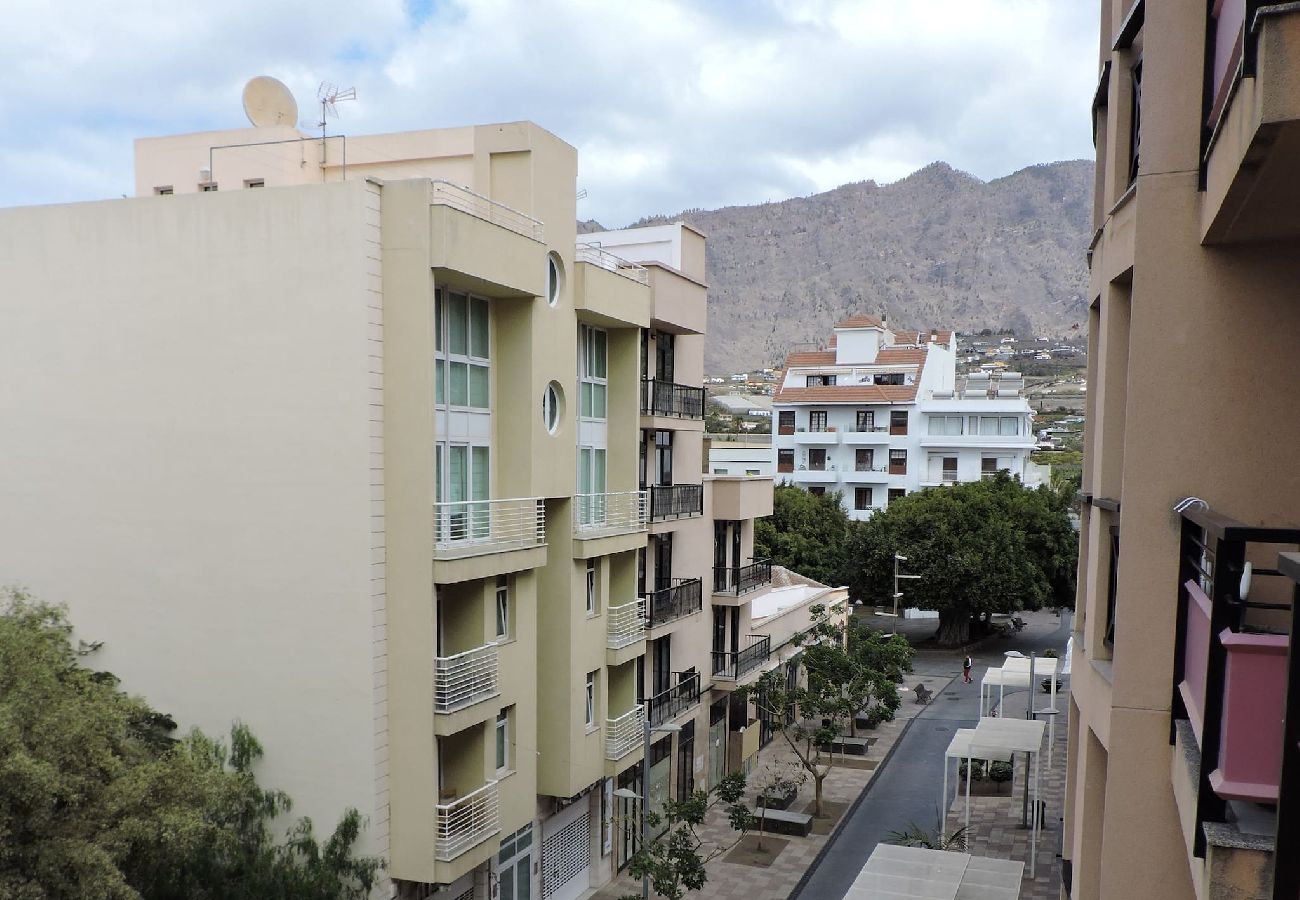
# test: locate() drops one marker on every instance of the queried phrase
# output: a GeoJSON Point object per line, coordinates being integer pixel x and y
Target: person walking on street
{"type": "Point", "coordinates": [965, 670]}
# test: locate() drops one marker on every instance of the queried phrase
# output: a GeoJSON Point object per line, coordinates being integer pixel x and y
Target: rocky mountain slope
{"type": "Point", "coordinates": [938, 248]}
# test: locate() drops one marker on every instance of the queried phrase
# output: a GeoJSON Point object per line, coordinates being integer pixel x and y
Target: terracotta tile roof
{"type": "Point", "coordinates": [860, 321]}
{"type": "Point", "coordinates": [848, 393]}
{"type": "Point", "coordinates": [901, 356]}
{"type": "Point", "coordinates": [911, 337]}
{"type": "Point", "coordinates": [811, 358]}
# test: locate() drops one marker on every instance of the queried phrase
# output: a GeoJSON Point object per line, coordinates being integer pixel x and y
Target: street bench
{"type": "Point", "coordinates": [852, 746]}
{"type": "Point", "coordinates": [782, 821]}
{"type": "Point", "coordinates": [923, 694]}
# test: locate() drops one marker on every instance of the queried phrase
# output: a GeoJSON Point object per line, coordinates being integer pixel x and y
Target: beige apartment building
{"type": "Point", "coordinates": [1184, 720]}
{"type": "Point", "coordinates": [358, 441]}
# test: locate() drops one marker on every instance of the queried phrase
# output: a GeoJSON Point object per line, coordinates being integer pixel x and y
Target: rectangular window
{"type": "Point", "coordinates": [461, 338]}
{"type": "Point", "coordinates": [591, 699]}
{"type": "Point", "coordinates": [593, 372]}
{"type": "Point", "coordinates": [862, 498]}
{"type": "Point", "coordinates": [946, 424]}
{"type": "Point", "coordinates": [819, 381]}
{"type": "Point", "coordinates": [785, 421]}
{"type": "Point", "coordinates": [817, 490]}
{"type": "Point", "coordinates": [898, 421]}
{"type": "Point", "coordinates": [864, 459]}
{"type": "Point", "coordinates": [949, 468]}
{"type": "Point", "coordinates": [896, 493]}
{"type": "Point", "coordinates": [817, 459]}
{"type": "Point", "coordinates": [503, 739]}
{"type": "Point", "coordinates": [817, 420]}
{"type": "Point", "coordinates": [208, 187]}
{"type": "Point", "coordinates": [897, 462]}
{"type": "Point", "coordinates": [785, 460]}
{"type": "Point", "coordinates": [988, 466]}
{"type": "Point", "coordinates": [503, 607]}
{"type": "Point", "coordinates": [866, 420]}
{"type": "Point", "coordinates": [753, 472]}
{"type": "Point", "coordinates": [164, 190]}
{"type": "Point", "coordinates": [255, 183]}
{"type": "Point", "coordinates": [888, 378]}
{"type": "Point", "coordinates": [1005, 426]}
{"type": "Point", "coordinates": [591, 587]}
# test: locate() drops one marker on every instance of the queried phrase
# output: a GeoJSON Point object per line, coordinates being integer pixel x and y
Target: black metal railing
{"type": "Point", "coordinates": [664, 398]}
{"type": "Point", "coordinates": [669, 704]}
{"type": "Point", "coordinates": [734, 665]}
{"type": "Point", "coordinates": [676, 501]}
{"type": "Point", "coordinates": [682, 597]}
{"type": "Point", "coordinates": [1213, 551]}
{"type": "Point", "coordinates": [737, 580]}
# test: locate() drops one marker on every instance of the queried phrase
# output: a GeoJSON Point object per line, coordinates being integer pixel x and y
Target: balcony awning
{"type": "Point", "coordinates": [916, 873]}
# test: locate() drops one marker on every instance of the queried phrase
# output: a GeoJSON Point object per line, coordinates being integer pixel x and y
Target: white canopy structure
{"type": "Point", "coordinates": [915, 873]}
{"type": "Point", "coordinates": [1023, 671]}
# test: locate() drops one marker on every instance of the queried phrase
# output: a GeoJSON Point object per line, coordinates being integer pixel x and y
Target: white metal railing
{"type": "Point", "coordinates": [465, 678]}
{"type": "Point", "coordinates": [621, 511]}
{"type": "Point", "coordinates": [625, 624]}
{"type": "Point", "coordinates": [472, 527]}
{"type": "Point", "coordinates": [625, 733]}
{"type": "Point", "coordinates": [457, 196]}
{"type": "Point", "coordinates": [465, 822]}
{"type": "Point", "coordinates": [598, 256]}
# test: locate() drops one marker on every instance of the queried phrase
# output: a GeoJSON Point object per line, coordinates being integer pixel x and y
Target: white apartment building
{"type": "Point", "coordinates": [740, 454]}
{"type": "Point", "coordinates": [881, 413]}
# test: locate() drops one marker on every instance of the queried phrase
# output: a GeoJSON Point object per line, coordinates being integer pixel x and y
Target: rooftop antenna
{"type": "Point", "coordinates": [330, 96]}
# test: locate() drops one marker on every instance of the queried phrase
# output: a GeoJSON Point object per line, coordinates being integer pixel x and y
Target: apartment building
{"type": "Point", "coordinates": [1184, 737]}
{"type": "Point", "coordinates": [881, 413]}
{"type": "Point", "coordinates": [739, 454]}
{"type": "Point", "coordinates": [352, 440]}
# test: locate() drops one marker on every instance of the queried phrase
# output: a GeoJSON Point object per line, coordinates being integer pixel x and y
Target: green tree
{"type": "Point", "coordinates": [97, 800]}
{"type": "Point", "coordinates": [980, 548]}
{"type": "Point", "coordinates": [834, 685]}
{"type": "Point", "coordinates": [676, 860]}
{"type": "Point", "coordinates": [805, 533]}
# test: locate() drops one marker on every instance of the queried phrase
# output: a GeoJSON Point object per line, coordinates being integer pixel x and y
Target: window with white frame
{"type": "Point", "coordinates": [591, 699]}
{"type": "Point", "coordinates": [462, 491]}
{"type": "Point", "coordinates": [1005, 426]}
{"type": "Point", "coordinates": [946, 424]}
{"type": "Point", "coordinates": [503, 754]}
{"type": "Point", "coordinates": [503, 607]}
{"type": "Point", "coordinates": [462, 377]}
{"type": "Point", "coordinates": [591, 587]}
{"type": "Point", "coordinates": [593, 372]}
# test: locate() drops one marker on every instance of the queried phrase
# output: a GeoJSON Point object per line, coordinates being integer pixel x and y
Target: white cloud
{"type": "Point", "coordinates": [671, 103]}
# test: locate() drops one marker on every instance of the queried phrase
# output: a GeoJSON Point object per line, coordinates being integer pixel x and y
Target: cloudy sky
{"type": "Point", "coordinates": [672, 104]}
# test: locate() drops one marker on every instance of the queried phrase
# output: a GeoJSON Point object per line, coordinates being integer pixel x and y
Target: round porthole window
{"type": "Point", "coordinates": [554, 278]}
{"type": "Point", "coordinates": [552, 406]}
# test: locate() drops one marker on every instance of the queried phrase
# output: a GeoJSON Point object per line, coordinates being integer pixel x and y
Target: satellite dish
{"type": "Point", "coordinates": [267, 102]}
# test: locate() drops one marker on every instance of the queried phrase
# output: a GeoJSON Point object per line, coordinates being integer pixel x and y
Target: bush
{"type": "Point", "coordinates": [1049, 654]}
{"type": "Point", "coordinates": [876, 714]}
{"type": "Point", "coordinates": [1000, 772]}
{"type": "Point", "coordinates": [978, 767]}
{"type": "Point", "coordinates": [887, 696]}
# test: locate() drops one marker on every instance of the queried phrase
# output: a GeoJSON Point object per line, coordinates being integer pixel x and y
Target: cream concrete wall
{"type": "Point", "coordinates": [188, 461]}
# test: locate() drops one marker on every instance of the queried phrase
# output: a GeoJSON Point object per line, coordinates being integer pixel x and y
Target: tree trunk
{"type": "Point", "coordinates": [954, 629]}
{"type": "Point", "coordinates": [762, 820]}
{"type": "Point", "coordinates": [817, 796]}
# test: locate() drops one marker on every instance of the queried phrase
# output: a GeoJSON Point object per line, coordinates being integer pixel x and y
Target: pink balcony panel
{"type": "Point", "coordinates": [1196, 655]}
{"type": "Point", "coordinates": [1254, 706]}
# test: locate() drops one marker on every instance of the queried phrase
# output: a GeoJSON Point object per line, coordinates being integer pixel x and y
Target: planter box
{"type": "Point", "coordinates": [984, 787]}
{"type": "Point", "coordinates": [779, 801]}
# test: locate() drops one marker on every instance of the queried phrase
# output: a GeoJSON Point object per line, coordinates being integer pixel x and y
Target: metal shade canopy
{"type": "Point", "coordinates": [915, 873]}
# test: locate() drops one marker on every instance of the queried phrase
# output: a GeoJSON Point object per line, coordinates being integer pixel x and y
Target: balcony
{"type": "Point", "coordinates": [1236, 769]}
{"type": "Point", "coordinates": [612, 291]}
{"type": "Point", "coordinates": [737, 497]}
{"type": "Point", "coordinates": [873, 437]}
{"type": "Point", "coordinates": [464, 823]}
{"type": "Point", "coordinates": [665, 398]}
{"type": "Point", "coordinates": [604, 515]}
{"type": "Point", "coordinates": [463, 679]}
{"type": "Point", "coordinates": [668, 705]}
{"type": "Point", "coordinates": [676, 501]}
{"type": "Point", "coordinates": [625, 733]}
{"type": "Point", "coordinates": [1000, 441]}
{"type": "Point", "coordinates": [683, 597]}
{"type": "Point", "coordinates": [479, 244]}
{"type": "Point", "coordinates": [805, 475]}
{"type": "Point", "coordinates": [740, 580]}
{"type": "Point", "coordinates": [822, 437]}
{"type": "Point", "coordinates": [734, 666]}
{"type": "Point", "coordinates": [866, 475]}
{"type": "Point", "coordinates": [1250, 165]}
{"type": "Point", "coordinates": [485, 538]}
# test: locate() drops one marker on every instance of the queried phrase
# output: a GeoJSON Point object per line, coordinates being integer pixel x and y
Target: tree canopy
{"type": "Point", "coordinates": [990, 546]}
{"type": "Point", "coordinates": [99, 802]}
{"type": "Point", "coordinates": [805, 533]}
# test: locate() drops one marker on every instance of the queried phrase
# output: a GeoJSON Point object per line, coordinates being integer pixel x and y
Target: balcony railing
{"type": "Point", "coordinates": [625, 625]}
{"type": "Point", "coordinates": [466, 822]}
{"type": "Point", "coordinates": [474, 527]}
{"type": "Point", "coordinates": [681, 598]}
{"type": "Point", "coordinates": [1230, 676]}
{"type": "Point", "coordinates": [624, 733]}
{"type": "Point", "coordinates": [734, 666]}
{"type": "Point", "coordinates": [457, 196]}
{"type": "Point", "coordinates": [597, 256]}
{"type": "Point", "coordinates": [465, 678]}
{"type": "Point", "coordinates": [619, 512]}
{"type": "Point", "coordinates": [676, 501]}
{"type": "Point", "coordinates": [738, 580]}
{"type": "Point", "coordinates": [670, 704]}
{"type": "Point", "coordinates": [664, 398]}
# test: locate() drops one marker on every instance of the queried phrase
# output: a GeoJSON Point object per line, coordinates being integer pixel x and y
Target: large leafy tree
{"type": "Point", "coordinates": [805, 533]}
{"type": "Point", "coordinates": [980, 548]}
{"type": "Point", "coordinates": [98, 801]}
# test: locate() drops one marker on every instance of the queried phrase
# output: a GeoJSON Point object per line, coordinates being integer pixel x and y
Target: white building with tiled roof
{"type": "Point", "coordinates": [881, 413]}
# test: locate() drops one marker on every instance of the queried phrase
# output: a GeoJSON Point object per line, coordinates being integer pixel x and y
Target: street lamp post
{"type": "Point", "coordinates": [644, 799]}
{"type": "Point", "coordinates": [898, 594]}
